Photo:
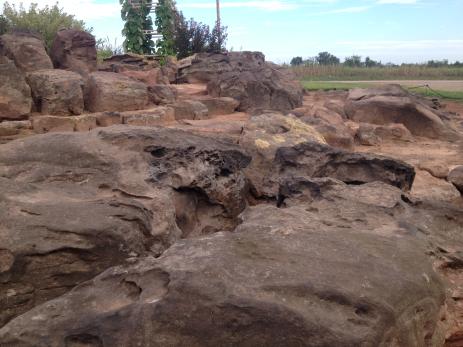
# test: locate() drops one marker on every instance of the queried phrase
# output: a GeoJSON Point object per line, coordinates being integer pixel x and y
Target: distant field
{"type": "Point", "coordinates": [345, 73]}
{"type": "Point", "coordinates": [450, 90]}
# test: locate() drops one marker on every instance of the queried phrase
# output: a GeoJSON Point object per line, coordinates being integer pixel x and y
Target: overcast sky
{"type": "Point", "coordinates": [388, 30]}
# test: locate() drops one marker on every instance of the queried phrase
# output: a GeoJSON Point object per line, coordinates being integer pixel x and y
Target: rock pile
{"type": "Point", "coordinates": [156, 214]}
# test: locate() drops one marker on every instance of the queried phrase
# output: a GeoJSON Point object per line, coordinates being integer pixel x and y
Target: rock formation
{"type": "Point", "coordinates": [232, 211]}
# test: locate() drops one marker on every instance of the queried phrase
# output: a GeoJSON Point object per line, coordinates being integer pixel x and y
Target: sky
{"type": "Point", "coordinates": [388, 30]}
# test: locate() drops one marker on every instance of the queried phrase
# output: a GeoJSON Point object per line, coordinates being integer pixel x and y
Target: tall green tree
{"type": "Point", "coordinates": [166, 13]}
{"type": "Point", "coordinates": [136, 15]}
{"type": "Point", "coordinates": [46, 20]}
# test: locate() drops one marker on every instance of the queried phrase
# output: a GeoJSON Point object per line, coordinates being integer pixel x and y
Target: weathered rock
{"type": "Point", "coordinates": [206, 67]}
{"type": "Point", "coordinates": [85, 122]}
{"type": "Point", "coordinates": [162, 94]}
{"type": "Point", "coordinates": [106, 119]}
{"type": "Point", "coordinates": [259, 89]}
{"type": "Point", "coordinates": [98, 198]}
{"type": "Point", "coordinates": [436, 169]}
{"type": "Point", "coordinates": [372, 135]}
{"type": "Point", "coordinates": [283, 146]}
{"type": "Point", "coordinates": [149, 77]}
{"type": "Point", "coordinates": [14, 127]}
{"type": "Point", "coordinates": [328, 123]}
{"type": "Point", "coordinates": [275, 281]}
{"type": "Point", "coordinates": [74, 50]}
{"type": "Point", "coordinates": [45, 124]}
{"type": "Point", "coordinates": [189, 109]}
{"type": "Point", "coordinates": [246, 77]}
{"type": "Point", "coordinates": [27, 50]}
{"type": "Point", "coordinates": [456, 177]}
{"type": "Point", "coordinates": [392, 104]}
{"type": "Point", "coordinates": [151, 117]}
{"type": "Point", "coordinates": [127, 61]}
{"type": "Point", "coordinates": [57, 92]}
{"type": "Point", "coordinates": [220, 106]}
{"type": "Point", "coordinates": [113, 92]}
{"type": "Point", "coordinates": [15, 96]}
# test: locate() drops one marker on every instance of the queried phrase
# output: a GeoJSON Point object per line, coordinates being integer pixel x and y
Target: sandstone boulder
{"type": "Point", "coordinates": [283, 146]}
{"type": "Point", "coordinates": [162, 94]}
{"type": "Point", "coordinates": [219, 106]}
{"type": "Point", "coordinates": [151, 117]}
{"type": "Point", "coordinates": [392, 104]}
{"type": "Point", "coordinates": [127, 61]}
{"type": "Point", "coordinates": [456, 177]}
{"type": "Point", "coordinates": [27, 50]}
{"type": "Point", "coordinates": [113, 92]}
{"type": "Point", "coordinates": [246, 77]}
{"type": "Point", "coordinates": [57, 92]}
{"type": "Point", "coordinates": [189, 109]}
{"type": "Point", "coordinates": [74, 50]}
{"type": "Point", "coordinates": [15, 96]}
{"type": "Point", "coordinates": [371, 135]}
{"type": "Point", "coordinates": [11, 128]}
{"type": "Point", "coordinates": [275, 281]}
{"type": "Point", "coordinates": [100, 197]}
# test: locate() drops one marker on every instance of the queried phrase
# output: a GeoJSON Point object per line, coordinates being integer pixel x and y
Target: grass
{"type": "Point", "coordinates": [346, 73]}
{"type": "Point", "coordinates": [319, 85]}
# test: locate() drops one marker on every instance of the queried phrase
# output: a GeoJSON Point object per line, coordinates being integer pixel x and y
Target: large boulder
{"type": "Point", "coordinates": [246, 77]}
{"type": "Point", "coordinates": [27, 50]}
{"type": "Point", "coordinates": [107, 91]}
{"type": "Point", "coordinates": [283, 146]}
{"type": "Point", "coordinates": [219, 106]}
{"type": "Point", "coordinates": [15, 96]}
{"type": "Point", "coordinates": [128, 61]}
{"type": "Point", "coordinates": [161, 94]}
{"type": "Point", "coordinates": [283, 278]}
{"type": "Point", "coordinates": [392, 104]}
{"type": "Point", "coordinates": [74, 50]}
{"type": "Point", "coordinates": [57, 92]}
{"type": "Point", "coordinates": [456, 177]}
{"type": "Point", "coordinates": [189, 109]}
{"type": "Point", "coordinates": [74, 204]}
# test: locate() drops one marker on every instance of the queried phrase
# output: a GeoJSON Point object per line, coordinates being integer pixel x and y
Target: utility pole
{"type": "Point", "coordinates": [217, 2]}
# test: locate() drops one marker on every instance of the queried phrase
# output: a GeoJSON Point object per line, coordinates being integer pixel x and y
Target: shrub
{"type": "Point", "coordinates": [45, 21]}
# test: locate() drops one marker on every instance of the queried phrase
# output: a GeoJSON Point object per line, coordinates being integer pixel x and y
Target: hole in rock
{"type": "Point", "coordinates": [197, 215]}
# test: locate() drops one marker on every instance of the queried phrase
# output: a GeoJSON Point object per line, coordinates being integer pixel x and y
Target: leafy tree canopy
{"type": "Point", "coordinates": [136, 15]}
{"type": "Point", "coordinates": [325, 58]}
{"type": "Point", "coordinates": [296, 61]}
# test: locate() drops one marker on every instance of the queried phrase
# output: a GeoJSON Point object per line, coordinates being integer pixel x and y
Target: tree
{"type": "Point", "coordinates": [137, 19]}
{"type": "Point", "coordinates": [45, 21]}
{"type": "Point", "coordinates": [296, 61]}
{"type": "Point", "coordinates": [354, 61]}
{"type": "Point", "coordinates": [371, 63]}
{"type": "Point", "coordinates": [165, 12]}
{"type": "Point", "coordinates": [325, 58]}
{"type": "Point", "coordinates": [218, 39]}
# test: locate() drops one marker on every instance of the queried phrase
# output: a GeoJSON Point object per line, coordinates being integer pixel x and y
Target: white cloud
{"type": "Point", "coordinates": [269, 5]}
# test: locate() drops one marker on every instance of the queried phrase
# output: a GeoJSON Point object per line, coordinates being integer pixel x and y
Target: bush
{"type": "Point", "coordinates": [296, 61]}
{"type": "Point", "coordinates": [105, 49]}
{"type": "Point", "coordinates": [46, 21]}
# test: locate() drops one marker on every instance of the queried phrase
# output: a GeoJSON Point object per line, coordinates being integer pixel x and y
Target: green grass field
{"type": "Point", "coordinates": [346, 73]}
{"type": "Point", "coordinates": [327, 85]}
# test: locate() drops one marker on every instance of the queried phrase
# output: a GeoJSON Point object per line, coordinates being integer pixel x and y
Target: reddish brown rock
{"type": "Point", "coordinates": [45, 124]}
{"type": "Point", "coordinates": [151, 117]}
{"type": "Point", "coordinates": [74, 50]}
{"type": "Point", "coordinates": [109, 91]}
{"type": "Point", "coordinates": [189, 109]}
{"type": "Point", "coordinates": [57, 92]}
{"type": "Point", "coordinates": [456, 177]}
{"type": "Point", "coordinates": [27, 50]}
{"type": "Point", "coordinates": [162, 94]}
{"type": "Point", "coordinates": [15, 95]}
{"type": "Point", "coordinates": [219, 106]}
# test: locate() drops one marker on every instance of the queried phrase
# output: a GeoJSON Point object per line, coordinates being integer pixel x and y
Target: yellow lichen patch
{"type": "Point", "coordinates": [304, 130]}
{"type": "Point", "coordinates": [278, 139]}
{"type": "Point", "coordinates": [262, 144]}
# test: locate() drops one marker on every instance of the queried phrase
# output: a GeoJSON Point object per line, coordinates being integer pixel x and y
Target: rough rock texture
{"type": "Point", "coordinates": [113, 92]}
{"type": "Point", "coordinates": [220, 106]}
{"type": "Point", "coordinates": [27, 50]}
{"type": "Point", "coordinates": [15, 96]}
{"type": "Point", "coordinates": [189, 109]}
{"type": "Point", "coordinates": [128, 61]}
{"type": "Point", "coordinates": [151, 117]}
{"type": "Point", "coordinates": [75, 204]}
{"type": "Point", "coordinates": [328, 123]}
{"type": "Point", "coordinates": [74, 50]}
{"type": "Point", "coordinates": [14, 127]}
{"type": "Point", "coordinates": [392, 104]}
{"type": "Point", "coordinates": [371, 135]}
{"type": "Point", "coordinates": [456, 178]}
{"type": "Point", "coordinates": [246, 77]}
{"type": "Point", "coordinates": [57, 92]}
{"type": "Point", "coordinates": [283, 146]}
{"type": "Point", "coordinates": [162, 94]}
{"type": "Point", "coordinates": [275, 281]}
